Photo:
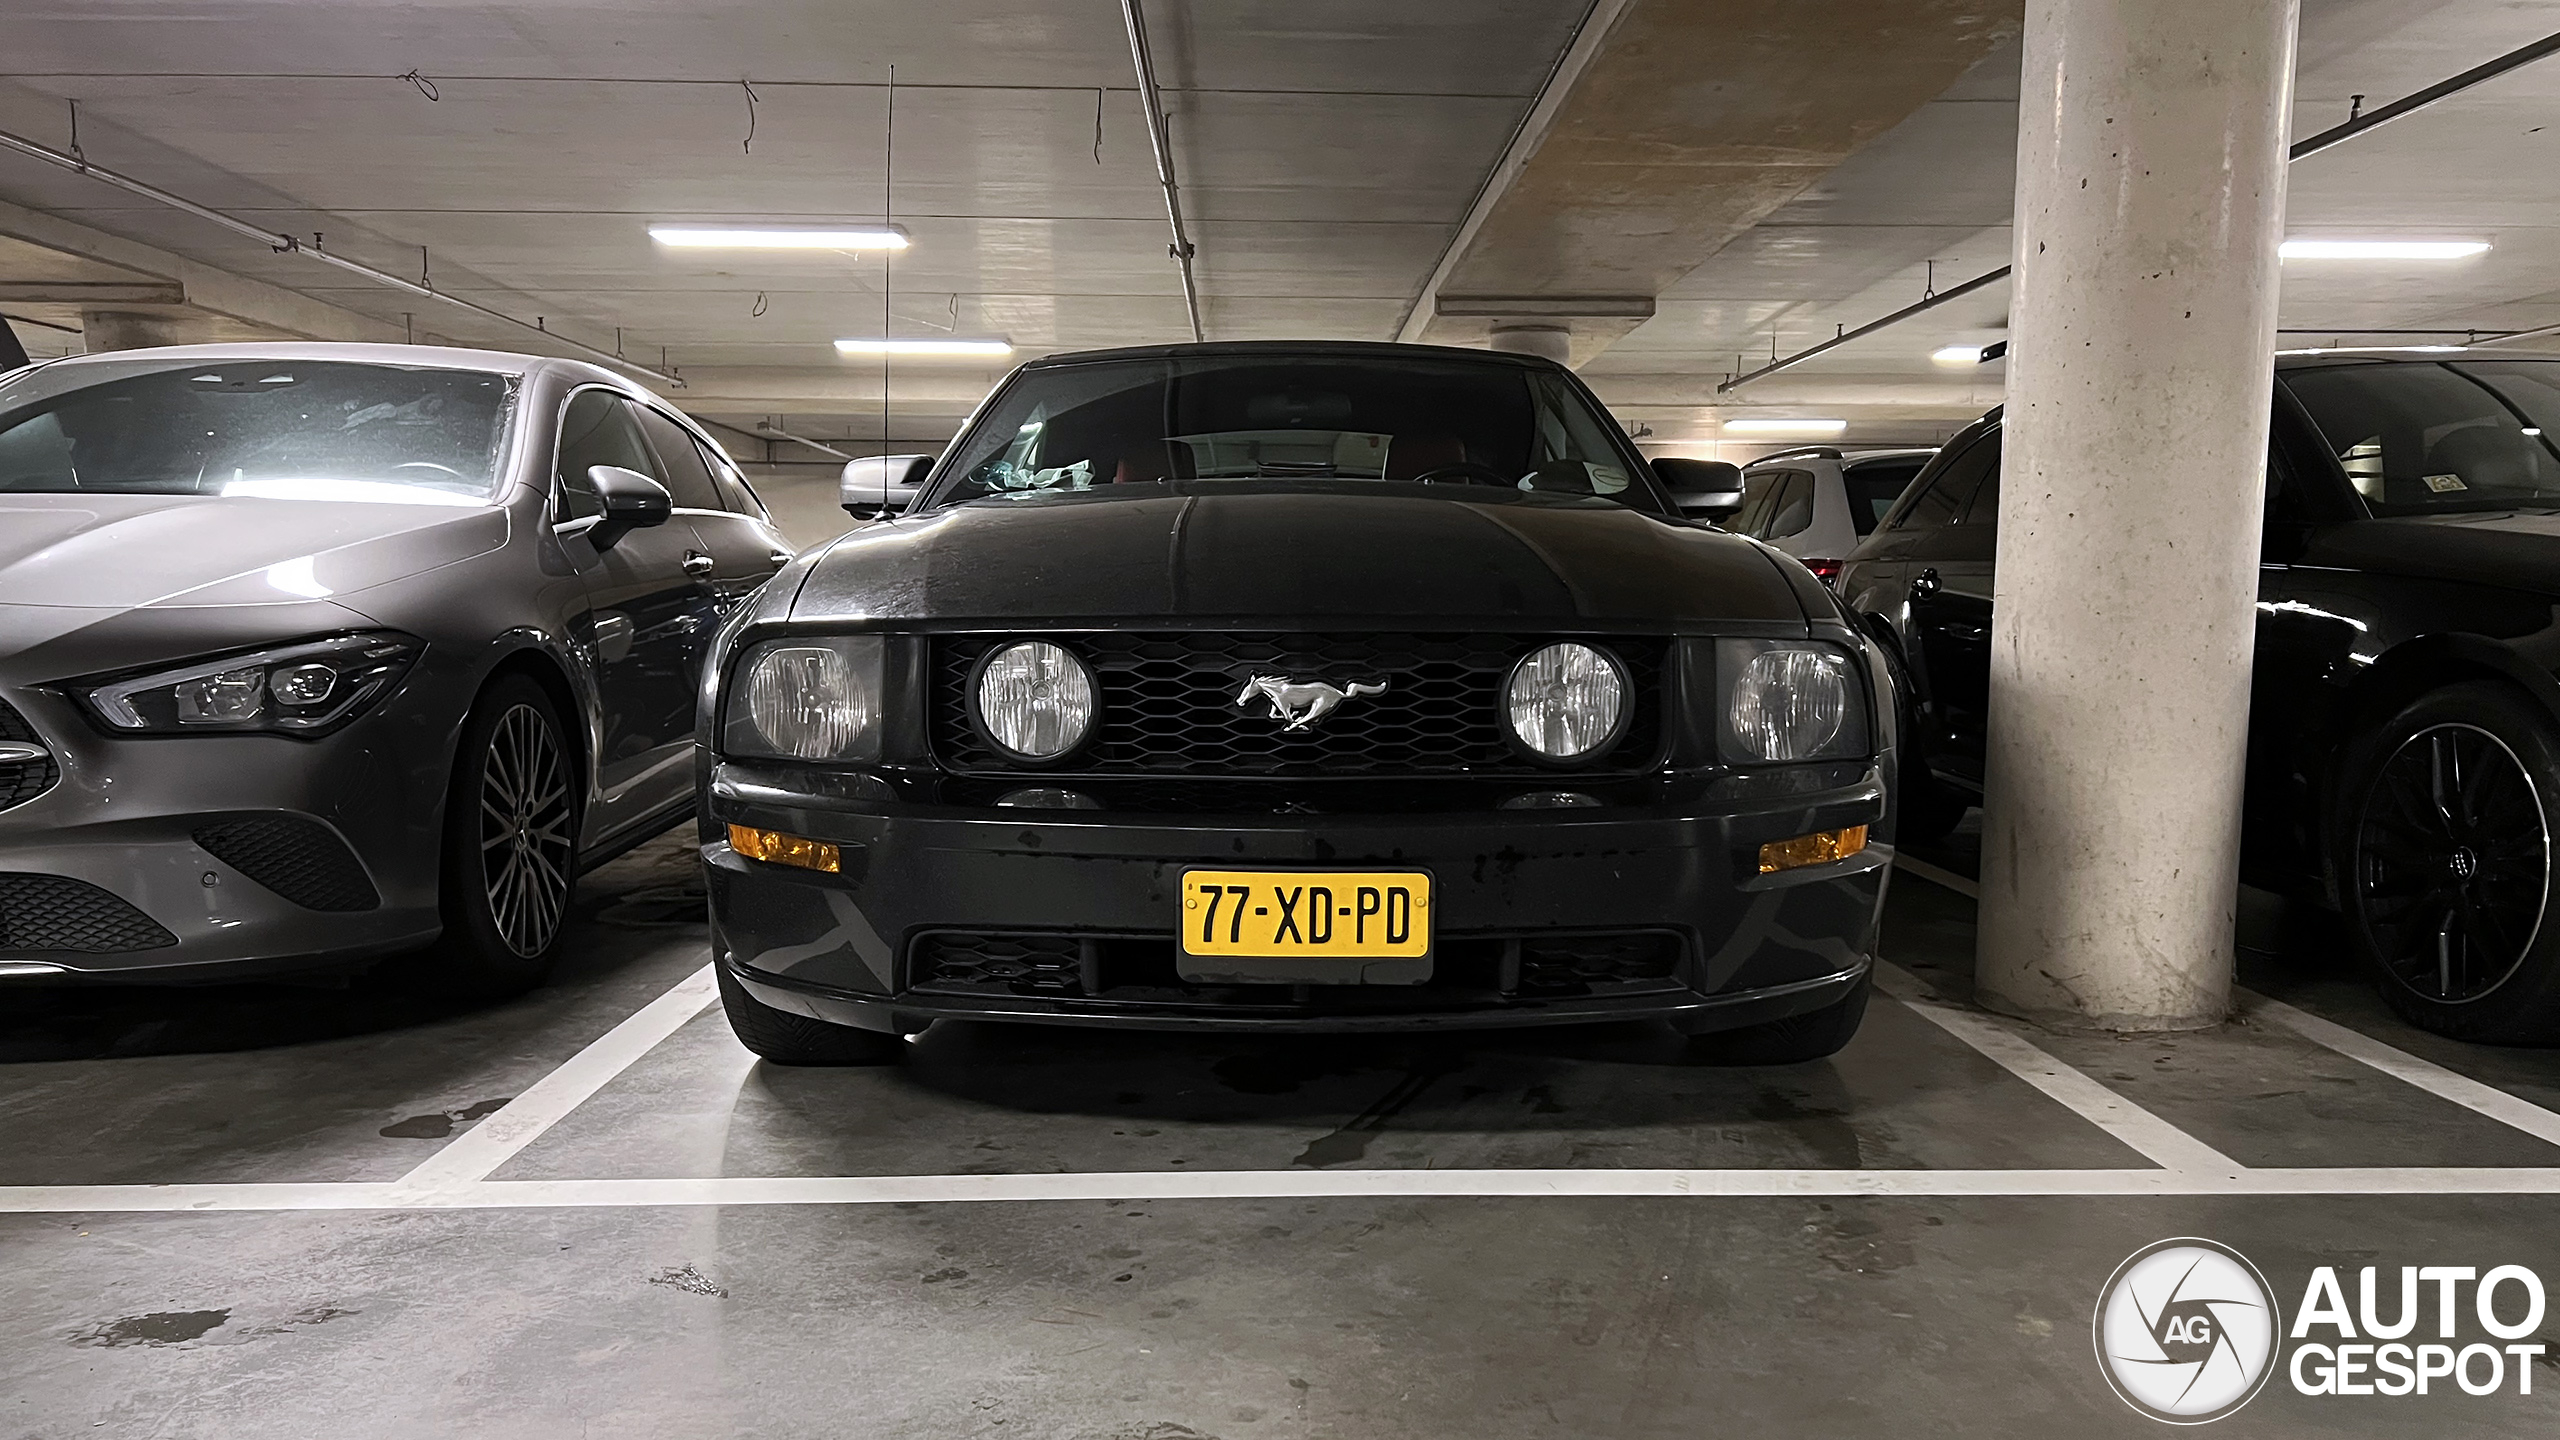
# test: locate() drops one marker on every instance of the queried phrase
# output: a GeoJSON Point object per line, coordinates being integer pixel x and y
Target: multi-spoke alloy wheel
{"type": "Point", "coordinates": [525, 844]}
{"type": "Point", "coordinates": [2444, 859]}
{"type": "Point", "coordinates": [510, 844]}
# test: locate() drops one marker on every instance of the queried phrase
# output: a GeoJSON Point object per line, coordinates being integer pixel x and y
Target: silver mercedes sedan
{"type": "Point", "coordinates": [313, 653]}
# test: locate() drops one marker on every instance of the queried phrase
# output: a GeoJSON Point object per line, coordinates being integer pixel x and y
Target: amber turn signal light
{"type": "Point", "coordinates": [775, 848]}
{"type": "Point", "coordinates": [1819, 848]}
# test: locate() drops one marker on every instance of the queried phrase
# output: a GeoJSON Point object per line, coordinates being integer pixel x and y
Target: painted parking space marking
{"type": "Point", "coordinates": [1587, 1184]}
{"type": "Point", "coordinates": [2146, 1134]}
{"type": "Point", "coordinates": [1923, 870]}
{"type": "Point", "coordinates": [2472, 1095]}
{"type": "Point", "coordinates": [477, 1153]}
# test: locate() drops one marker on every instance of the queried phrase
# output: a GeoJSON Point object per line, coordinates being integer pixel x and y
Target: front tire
{"type": "Point", "coordinates": [510, 845]}
{"type": "Point", "coordinates": [1796, 1040]}
{"type": "Point", "coordinates": [782, 1038]}
{"type": "Point", "coordinates": [2444, 853]}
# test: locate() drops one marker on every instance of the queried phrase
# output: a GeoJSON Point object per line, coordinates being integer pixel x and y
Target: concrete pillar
{"type": "Point", "coordinates": [132, 329]}
{"type": "Point", "coordinates": [2151, 181]}
{"type": "Point", "coordinates": [1554, 342]}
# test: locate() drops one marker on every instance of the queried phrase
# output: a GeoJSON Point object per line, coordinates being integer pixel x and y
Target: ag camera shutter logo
{"type": "Point", "coordinates": [2186, 1331]}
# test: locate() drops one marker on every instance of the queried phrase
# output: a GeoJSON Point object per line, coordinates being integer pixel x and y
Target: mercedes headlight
{"type": "Point", "coordinates": [1567, 702]}
{"type": "Point", "coordinates": [1790, 700]}
{"type": "Point", "coordinates": [1034, 702]}
{"type": "Point", "coordinates": [308, 689]}
{"type": "Point", "coordinates": [809, 698]}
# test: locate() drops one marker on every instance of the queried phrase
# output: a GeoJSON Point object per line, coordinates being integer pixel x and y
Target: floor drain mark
{"type": "Point", "coordinates": [1351, 1142]}
{"type": "Point", "coordinates": [166, 1327]}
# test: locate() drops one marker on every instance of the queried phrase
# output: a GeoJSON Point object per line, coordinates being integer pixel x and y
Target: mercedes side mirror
{"type": "Point", "coordinates": [1707, 489]}
{"type": "Point", "coordinates": [632, 501]}
{"type": "Point", "coordinates": [882, 484]}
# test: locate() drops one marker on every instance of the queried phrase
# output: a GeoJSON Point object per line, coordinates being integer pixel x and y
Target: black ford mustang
{"type": "Point", "coordinates": [1293, 686]}
{"type": "Point", "coordinates": [2404, 726]}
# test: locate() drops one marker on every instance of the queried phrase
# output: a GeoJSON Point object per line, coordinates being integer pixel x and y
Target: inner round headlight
{"type": "Point", "coordinates": [1035, 701]}
{"type": "Point", "coordinates": [806, 702]}
{"type": "Point", "coordinates": [1566, 701]}
{"type": "Point", "coordinates": [1790, 704]}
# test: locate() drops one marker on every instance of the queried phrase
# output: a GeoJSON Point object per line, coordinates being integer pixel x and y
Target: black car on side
{"type": "Point", "coordinates": [2404, 731]}
{"type": "Point", "coordinates": [1293, 686]}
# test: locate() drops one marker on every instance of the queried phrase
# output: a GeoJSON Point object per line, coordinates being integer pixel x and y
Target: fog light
{"type": "Point", "coordinates": [1819, 848]}
{"type": "Point", "coordinates": [775, 848]}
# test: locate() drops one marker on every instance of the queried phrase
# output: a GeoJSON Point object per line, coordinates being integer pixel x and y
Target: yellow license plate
{"type": "Point", "coordinates": [1309, 914]}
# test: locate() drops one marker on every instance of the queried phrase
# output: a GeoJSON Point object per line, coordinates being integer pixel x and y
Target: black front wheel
{"type": "Point", "coordinates": [2444, 856]}
{"type": "Point", "coordinates": [510, 845]}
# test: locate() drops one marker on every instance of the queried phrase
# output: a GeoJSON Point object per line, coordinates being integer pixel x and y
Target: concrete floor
{"type": "Point", "coordinates": [1242, 1308]}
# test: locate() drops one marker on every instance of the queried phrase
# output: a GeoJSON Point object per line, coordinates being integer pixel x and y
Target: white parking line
{"type": "Point", "coordinates": [2146, 1134]}
{"type": "Point", "coordinates": [1923, 870]}
{"type": "Point", "coordinates": [1270, 1185]}
{"type": "Point", "coordinates": [478, 1152]}
{"type": "Point", "coordinates": [2400, 1065]}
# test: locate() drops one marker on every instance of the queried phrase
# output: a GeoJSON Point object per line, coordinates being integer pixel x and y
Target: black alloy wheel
{"type": "Point", "coordinates": [511, 844]}
{"type": "Point", "coordinates": [2446, 863]}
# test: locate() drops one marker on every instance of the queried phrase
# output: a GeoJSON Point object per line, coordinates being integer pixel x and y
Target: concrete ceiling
{"type": "Point", "coordinates": [1330, 152]}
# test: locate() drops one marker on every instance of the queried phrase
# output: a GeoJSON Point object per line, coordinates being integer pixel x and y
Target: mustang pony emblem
{"type": "Point", "coordinates": [1302, 703]}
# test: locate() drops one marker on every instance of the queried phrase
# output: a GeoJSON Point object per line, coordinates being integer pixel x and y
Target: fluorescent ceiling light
{"type": "Point", "coordinates": [923, 347]}
{"type": "Point", "coordinates": [1786, 427]}
{"type": "Point", "coordinates": [2382, 249]}
{"type": "Point", "coordinates": [1956, 356]}
{"type": "Point", "coordinates": [779, 237]}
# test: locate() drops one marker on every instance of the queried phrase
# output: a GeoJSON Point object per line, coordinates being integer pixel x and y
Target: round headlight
{"type": "Point", "coordinates": [1566, 701]}
{"type": "Point", "coordinates": [1035, 701]}
{"type": "Point", "coordinates": [806, 702]}
{"type": "Point", "coordinates": [1790, 704]}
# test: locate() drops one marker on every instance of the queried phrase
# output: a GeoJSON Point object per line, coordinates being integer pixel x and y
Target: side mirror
{"type": "Point", "coordinates": [881, 484]}
{"type": "Point", "coordinates": [632, 501]}
{"type": "Point", "coordinates": [1708, 489]}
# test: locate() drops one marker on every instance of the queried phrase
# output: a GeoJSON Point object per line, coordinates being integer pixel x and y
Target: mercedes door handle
{"type": "Point", "coordinates": [1925, 585]}
{"type": "Point", "coordinates": [781, 557]}
{"type": "Point", "coordinates": [697, 563]}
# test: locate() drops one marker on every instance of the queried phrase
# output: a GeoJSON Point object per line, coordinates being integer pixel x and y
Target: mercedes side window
{"type": "Point", "coordinates": [735, 493]}
{"type": "Point", "coordinates": [1872, 489]}
{"type": "Point", "coordinates": [1952, 487]}
{"type": "Point", "coordinates": [681, 466]}
{"type": "Point", "coordinates": [596, 429]}
{"type": "Point", "coordinates": [1984, 507]}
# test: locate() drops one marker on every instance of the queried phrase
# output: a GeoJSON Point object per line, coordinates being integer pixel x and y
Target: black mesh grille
{"type": "Point", "coordinates": [998, 964]}
{"type": "Point", "coordinates": [55, 912]}
{"type": "Point", "coordinates": [23, 780]}
{"type": "Point", "coordinates": [1574, 964]}
{"type": "Point", "coordinates": [1169, 704]}
{"type": "Point", "coordinates": [302, 860]}
{"type": "Point", "coordinates": [1475, 968]}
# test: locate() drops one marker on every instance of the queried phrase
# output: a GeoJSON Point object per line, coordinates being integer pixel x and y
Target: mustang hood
{"type": "Point", "coordinates": [101, 551]}
{"type": "Point", "coordinates": [1296, 551]}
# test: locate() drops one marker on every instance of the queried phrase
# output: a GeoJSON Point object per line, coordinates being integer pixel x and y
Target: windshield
{"type": "Point", "coordinates": [277, 429]}
{"type": "Point", "coordinates": [1873, 488]}
{"type": "Point", "coordinates": [1447, 423]}
{"type": "Point", "coordinates": [2417, 437]}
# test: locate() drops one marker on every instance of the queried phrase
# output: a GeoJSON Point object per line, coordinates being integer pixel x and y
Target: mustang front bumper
{"type": "Point", "coordinates": [1653, 908]}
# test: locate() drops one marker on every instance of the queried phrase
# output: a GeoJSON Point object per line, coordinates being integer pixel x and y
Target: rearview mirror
{"type": "Point", "coordinates": [1709, 489]}
{"type": "Point", "coordinates": [632, 501]}
{"type": "Point", "coordinates": [881, 484]}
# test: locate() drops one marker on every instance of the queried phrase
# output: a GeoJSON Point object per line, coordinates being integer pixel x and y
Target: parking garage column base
{"type": "Point", "coordinates": [2151, 182]}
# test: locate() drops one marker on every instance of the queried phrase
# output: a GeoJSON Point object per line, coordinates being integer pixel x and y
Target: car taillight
{"type": "Point", "coordinates": [1826, 571]}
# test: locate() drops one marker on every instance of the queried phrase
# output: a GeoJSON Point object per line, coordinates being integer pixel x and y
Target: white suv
{"type": "Point", "coordinates": [1818, 503]}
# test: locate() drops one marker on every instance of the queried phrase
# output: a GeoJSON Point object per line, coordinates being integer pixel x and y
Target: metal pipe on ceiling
{"type": "Point", "coordinates": [287, 244]}
{"type": "Point", "coordinates": [1161, 139]}
{"type": "Point", "coordinates": [2409, 104]}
